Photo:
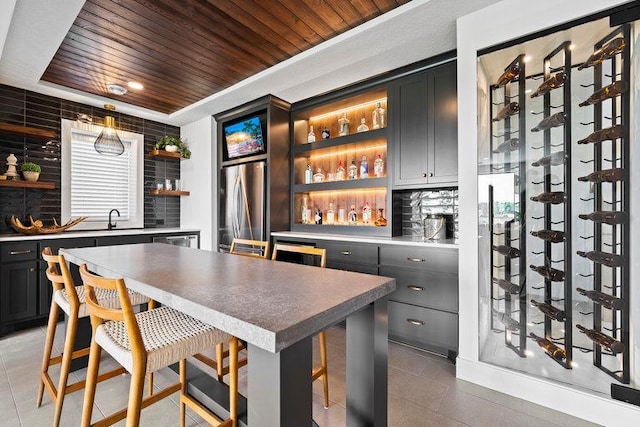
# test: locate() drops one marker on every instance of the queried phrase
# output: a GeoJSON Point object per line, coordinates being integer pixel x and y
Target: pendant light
{"type": "Point", "coordinates": [108, 142]}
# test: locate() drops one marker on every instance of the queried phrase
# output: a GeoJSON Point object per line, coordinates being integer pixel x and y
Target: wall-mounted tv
{"type": "Point", "coordinates": [244, 138]}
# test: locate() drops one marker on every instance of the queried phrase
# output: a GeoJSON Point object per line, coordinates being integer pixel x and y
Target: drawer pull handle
{"type": "Point", "coordinates": [32, 269]}
{"type": "Point", "coordinates": [415, 288]}
{"type": "Point", "coordinates": [415, 322]}
{"type": "Point", "coordinates": [345, 252]}
{"type": "Point", "coordinates": [415, 259]}
{"type": "Point", "coordinates": [28, 251]}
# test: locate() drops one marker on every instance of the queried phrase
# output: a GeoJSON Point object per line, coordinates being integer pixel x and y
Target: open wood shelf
{"type": "Point", "coordinates": [166, 154]}
{"type": "Point", "coordinates": [169, 193]}
{"type": "Point", "coordinates": [25, 130]}
{"type": "Point", "coordinates": [45, 185]}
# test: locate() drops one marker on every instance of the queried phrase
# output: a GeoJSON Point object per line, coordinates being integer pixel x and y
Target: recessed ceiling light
{"type": "Point", "coordinates": [135, 85]}
{"type": "Point", "coordinates": [526, 58]}
{"type": "Point", "coordinates": [116, 89]}
{"type": "Point", "coordinates": [572, 46]}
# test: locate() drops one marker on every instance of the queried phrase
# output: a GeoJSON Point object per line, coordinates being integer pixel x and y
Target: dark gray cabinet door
{"type": "Point", "coordinates": [123, 240]}
{"type": "Point", "coordinates": [443, 151]}
{"type": "Point", "coordinates": [18, 291]}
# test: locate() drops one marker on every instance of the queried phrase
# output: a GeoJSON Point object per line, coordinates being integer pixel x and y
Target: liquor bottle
{"type": "Point", "coordinates": [508, 110]}
{"type": "Point", "coordinates": [340, 171]}
{"type": "Point", "coordinates": [550, 348]}
{"type": "Point", "coordinates": [326, 133]}
{"type": "Point", "coordinates": [511, 288]}
{"type": "Point", "coordinates": [353, 170]}
{"type": "Point", "coordinates": [606, 134]}
{"type": "Point", "coordinates": [604, 258]}
{"type": "Point", "coordinates": [308, 175]}
{"type": "Point", "coordinates": [611, 91]}
{"type": "Point", "coordinates": [605, 300]}
{"type": "Point", "coordinates": [554, 159]}
{"type": "Point", "coordinates": [605, 175]}
{"type": "Point", "coordinates": [312, 136]}
{"type": "Point", "coordinates": [550, 311]}
{"type": "Point", "coordinates": [507, 251]}
{"type": "Point", "coordinates": [553, 197]}
{"type": "Point", "coordinates": [552, 236]}
{"type": "Point", "coordinates": [378, 167]}
{"type": "Point", "coordinates": [306, 212]}
{"type": "Point", "coordinates": [606, 217]}
{"type": "Point", "coordinates": [318, 176]}
{"type": "Point", "coordinates": [604, 341]}
{"type": "Point", "coordinates": [549, 273]}
{"type": "Point", "coordinates": [318, 217]}
{"type": "Point", "coordinates": [509, 145]}
{"type": "Point", "coordinates": [508, 322]}
{"type": "Point", "coordinates": [381, 221]}
{"type": "Point", "coordinates": [509, 74]}
{"type": "Point", "coordinates": [353, 215]}
{"type": "Point", "coordinates": [609, 49]}
{"type": "Point", "coordinates": [364, 168]}
{"type": "Point", "coordinates": [550, 122]}
{"type": "Point", "coordinates": [551, 83]}
{"type": "Point", "coordinates": [366, 213]}
{"type": "Point", "coordinates": [331, 215]}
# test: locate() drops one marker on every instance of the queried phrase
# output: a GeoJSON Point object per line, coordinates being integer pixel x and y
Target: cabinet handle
{"type": "Point", "coordinates": [32, 269]}
{"type": "Point", "coordinates": [345, 252]}
{"type": "Point", "coordinates": [415, 288]}
{"type": "Point", "coordinates": [415, 259]}
{"type": "Point", "coordinates": [424, 175]}
{"type": "Point", "coordinates": [20, 252]}
{"type": "Point", "coordinates": [430, 174]}
{"type": "Point", "coordinates": [415, 322]}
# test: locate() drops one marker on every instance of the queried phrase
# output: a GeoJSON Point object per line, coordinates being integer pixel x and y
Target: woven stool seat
{"type": "Point", "coordinates": [107, 298]}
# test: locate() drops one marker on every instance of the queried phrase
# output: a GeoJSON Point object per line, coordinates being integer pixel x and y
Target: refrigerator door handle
{"type": "Point", "coordinates": [235, 226]}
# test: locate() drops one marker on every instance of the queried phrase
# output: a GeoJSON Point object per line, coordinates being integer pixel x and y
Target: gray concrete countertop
{"type": "Point", "coordinates": [270, 304]}
{"type": "Point", "coordinates": [399, 240]}
{"type": "Point", "coordinates": [95, 233]}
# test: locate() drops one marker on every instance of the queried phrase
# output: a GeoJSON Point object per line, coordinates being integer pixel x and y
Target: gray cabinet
{"type": "Point", "coordinates": [425, 128]}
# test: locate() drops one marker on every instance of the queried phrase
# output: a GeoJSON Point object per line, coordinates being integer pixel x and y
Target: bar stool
{"type": "Point", "coordinates": [322, 337]}
{"type": "Point", "coordinates": [251, 248]}
{"type": "Point", "coordinates": [71, 300]}
{"type": "Point", "coordinates": [143, 343]}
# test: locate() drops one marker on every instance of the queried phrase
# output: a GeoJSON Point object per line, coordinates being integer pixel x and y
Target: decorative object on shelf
{"type": "Point", "coordinates": [366, 213]}
{"type": "Point", "coordinates": [340, 171]}
{"type": "Point", "coordinates": [353, 215]}
{"type": "Point", "coordinates": [381, 221]}
{"type": "Point", "coordinates": [30, 171]}
{"type": "Point", "coordinates": [341, 216]}
{"type": "Point", "coordinates": [377, 116]}
{"type": "Point", "coordinates": [433, 227]}
{"type": "Point", "coordinates": [306, 212]}
{"type": "Point", "coordinates": [353, 170]}
{"type": "Point", "coordinates": [363, 125]}
{"type": "Point", "coordinates": [167, 142]}
{"type": "Point", "coordinates": [331, 215]}
{"type": "Point", "coordinates": [378, 166]}
{"type": "Point", "coordinates": [12, 161]}
{"type": "Point", "coordinates": [38, 227]}
{"type": "Point", "coordinates": [51, 151]}
{"type": "Point", "coordinates": [312, 136]}
{"type": "Point", "coordinates": [364, 168]}
{"type": "Point", "coordinates": [108, 142]}
{"type": "Point", "coordinates": [308, 174]}
{"type": "Point", "coordinates": [318, 176]}
{"type": "Point", "coordinates": [343, 125]}
{"type": "Point", "coordinates": [318, 216]}
{"type": "Point", "coordinates": [326, 134]}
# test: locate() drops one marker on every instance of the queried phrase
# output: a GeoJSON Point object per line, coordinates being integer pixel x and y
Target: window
{"type": "Point", "coordinates": [93, 184]}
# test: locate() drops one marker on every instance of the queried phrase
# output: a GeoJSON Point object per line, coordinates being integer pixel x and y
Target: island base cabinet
{"type": "Point", "coordinates": [432, 330]}
{"type": "Point", "coordinates": [18, 291]}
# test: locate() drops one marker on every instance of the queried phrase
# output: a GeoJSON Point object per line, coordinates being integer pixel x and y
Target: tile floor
{"type": "Point", "coordinates": [423, 391]}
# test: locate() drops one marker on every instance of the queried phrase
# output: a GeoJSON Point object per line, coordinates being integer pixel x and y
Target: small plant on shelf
{"type": "Point", "coordinates": [173, 144]}
{"type": "Point", "coordinates": [30, 171]}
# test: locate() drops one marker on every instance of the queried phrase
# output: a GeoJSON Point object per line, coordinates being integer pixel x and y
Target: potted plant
{"type": "Point", "coordinates": [173, 144]}
{"type": "Point", "coordinates": [30, 171]}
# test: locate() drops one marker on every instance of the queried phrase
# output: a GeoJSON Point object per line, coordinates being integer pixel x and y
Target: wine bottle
{"type": "Point", "coordinates": [605, 175]}
{"type": "Point", "coordinates": [607, 50]}
{"type": "Point", "coordinates": [611, 91]}
{"type": "Point", "coordinates": [554, 159]}
{"type": "Point", "coordinates": [508, 110]}
{"type": "Point", "coordinates": [553, 197]}
{"type": "Point", "coordinates": [549, 273]}
{"type": "Point", "coordinates": [604, 341]}
{"type": "Point", "coordinates": [550, 122]}
{"type": "Point", "coordinates": [508, 322]}
{"type": "Point", "coordinates": [509, 74]}
{"type": "Point", "coordinates": [511, 288]}
{"type": "Point", "coordinates": [606, 217]}
{"type": "Point", "coordinates": [606, 134]}
{"type": "Point", "coordinates": [550, 311]}
{"type": "Point", "coordinates": [604, 258]}
{"type": "Point", "coordinates": [551, 83]}
{"type": "Point", "coordinates": [605, 300]}
{"type": "Point", "coordinates": [552, 236]}
{"type": "Point", "coordinates": [509, 145]}
{"type": "Point", "coordinates": [550, 348]}
{"type": "Point", "coordinates": [507, 251]}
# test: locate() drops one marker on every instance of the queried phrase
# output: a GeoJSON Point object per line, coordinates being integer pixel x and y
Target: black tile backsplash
{"type": "Point", "coordinates": [26, 108]}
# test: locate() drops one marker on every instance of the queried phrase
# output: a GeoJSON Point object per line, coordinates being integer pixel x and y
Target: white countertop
{"type": "Point", "coordinates": [95, 233]}
{"type": "Point", "coordinates": [399, 240]}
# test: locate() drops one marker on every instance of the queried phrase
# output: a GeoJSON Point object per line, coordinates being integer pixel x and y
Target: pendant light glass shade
{"type": "Point", "coordinates": [108, 142]}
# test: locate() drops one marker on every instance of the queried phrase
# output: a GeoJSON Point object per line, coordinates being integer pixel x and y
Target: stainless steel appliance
{"type": "Point", "coordinates": [189, 241]}
{"type": "Point", "coordinates": [242, 203]}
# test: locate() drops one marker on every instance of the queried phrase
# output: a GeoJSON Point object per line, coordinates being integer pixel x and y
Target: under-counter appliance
{"type": "Point", "coordinates": [188, 240]}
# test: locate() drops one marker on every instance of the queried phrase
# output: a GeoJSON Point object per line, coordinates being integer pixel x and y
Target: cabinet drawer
{"type": "Point", "coordinates": [423, 327]}
{"type": "Point", "coordinates": [123, 240]}
{"type": "Point", "coordinates": [19, 251]}
{"type": "Point", "coordinates": [442, 260]}
{"type": "Point", "coordinates": [358, 268]}
{"type": "Point", "coordinates": [426, 289]}
{"type": "Point", "coordinates": [360, 253]}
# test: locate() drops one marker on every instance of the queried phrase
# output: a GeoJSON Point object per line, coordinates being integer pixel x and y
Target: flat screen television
{"type": "Point", "coordinates": [244, 138]}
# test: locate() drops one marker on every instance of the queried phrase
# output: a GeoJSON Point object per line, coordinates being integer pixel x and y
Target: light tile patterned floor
{"type": "Point", "coordinates": [423, 391]}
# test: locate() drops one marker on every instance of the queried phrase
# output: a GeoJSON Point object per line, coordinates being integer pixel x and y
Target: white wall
{"type": "Point", "coordinates": [495, 24]}
{"type": "Point", "coordinates": [199, 176]}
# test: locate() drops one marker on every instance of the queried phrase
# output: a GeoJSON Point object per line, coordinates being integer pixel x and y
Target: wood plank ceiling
{"type": "Point", "coordinates": [185, 50]}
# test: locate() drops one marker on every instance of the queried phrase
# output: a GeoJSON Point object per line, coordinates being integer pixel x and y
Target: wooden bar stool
{"type": "Point", "coordinates": [145, 342]}
{"type": "Point", "coordinates": [71, 300]}
{"type": "Point", "coordinates": [252, 248]}
{"type": "Point", "coordinates": [320, 372]}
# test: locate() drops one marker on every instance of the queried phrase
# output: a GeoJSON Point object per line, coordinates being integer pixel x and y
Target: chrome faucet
{"type": "Point", "coordinates": [112, 226]}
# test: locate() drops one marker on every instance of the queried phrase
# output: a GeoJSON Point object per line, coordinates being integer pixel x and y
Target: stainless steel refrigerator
{"type": "Point", "coordinates": [242, 203]}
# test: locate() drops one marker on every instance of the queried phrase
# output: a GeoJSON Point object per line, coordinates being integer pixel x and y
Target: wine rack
{"type": "Point", "coordinates": [611, 195]}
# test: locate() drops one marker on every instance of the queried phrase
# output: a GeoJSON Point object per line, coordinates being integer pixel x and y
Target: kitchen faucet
{"type": "Point", "coordinates": [112, 226]}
